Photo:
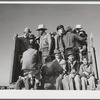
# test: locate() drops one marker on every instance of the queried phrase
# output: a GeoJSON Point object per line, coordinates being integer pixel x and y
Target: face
{"type": "Point", "coordinates": [85, 61]}
{"type": "Point", "coordinates": [57, 55]}
{"type": "Point", "coordinates": [71, 58]}
{"type": "Point", "coordinates": [40, 32]}
{"type": "Point", "coordinates": [26, 34]}
{"type": "Point", "coordinates": [60, 31]}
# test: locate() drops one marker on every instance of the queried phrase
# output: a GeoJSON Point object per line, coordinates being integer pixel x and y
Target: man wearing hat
{"type": "Point", "coordinates": [72, 73]}
{"type": "Point", "coordinates": [59, 61]}
{"type": "Point", "coordinates": [33, 41]}
{"type": "Point", "coordinates": [30, 63]}
{"type": "Point", "coordinates": [24, 39]}
{"type": "Point", "coordinates": [58, 39]}
{"type": "Point", "coordinates": [45, 42]}
{"type": "Point", "coordinates": [70, 41]}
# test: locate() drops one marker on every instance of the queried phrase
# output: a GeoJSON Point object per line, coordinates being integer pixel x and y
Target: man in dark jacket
{"type": "Point", "coordinates": [70, 42]}
{"type": "Point", "coordinates": [72, 74]}
{"type": "Point", "coordinates": [59, 39]}
{"type": "Point", "coordinates": [54, 69]}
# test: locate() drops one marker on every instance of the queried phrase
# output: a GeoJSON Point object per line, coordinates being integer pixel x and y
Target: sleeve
{"type": "Point", "coordinates": [77, 37]}
{"type": "Point", "coordinates": [50, 42]}
{"type": "Point", "coordinates": [81, 71]}
{"type": "Point", "coordinates": [91, 70]}
{"type": "Point", "coordinates": [56, 42]}
{"type": "Point", "coordinates": [39, 63]}
{"type": "Point", "coordinates": [67, 68]}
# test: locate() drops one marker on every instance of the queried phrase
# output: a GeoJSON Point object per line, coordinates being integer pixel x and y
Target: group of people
{"type": "Point", "coordinates": [56, 60]}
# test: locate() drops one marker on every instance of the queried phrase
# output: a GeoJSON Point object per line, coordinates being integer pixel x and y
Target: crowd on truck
{"type": "Point", "coordinates": [55, 60]}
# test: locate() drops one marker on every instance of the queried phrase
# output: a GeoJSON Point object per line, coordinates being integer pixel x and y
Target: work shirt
{"type": "Point", "coordinates": [59, 43]}
{"type": "Point", "coordinates": [62, 63]}
{"type": "Point", "coordinates": [44, 41]}
{"type": "Point", "coordinates": [72, 67]}
{"type": "Point", "coordinates": [86, 69]}
{"type": "Point", "coordinates": [70, 40]}
{"type": "Point", "coordinates": [29, 59]}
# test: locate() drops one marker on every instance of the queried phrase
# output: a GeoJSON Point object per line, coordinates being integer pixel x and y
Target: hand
{"type": "Point", "coordinates": [72, 75]}
{"type": "Point", "coordinates": [73, 71]}
{"type": "Point", "coordinates": [15, 36]}
{"type": "Point", "coordinates": [81, 50]}
{"type": "Point", "coordinates": [60, 75]}
{"type": "Point", "coordinates": [88, 76]}
{"type": "Point", "coordinates": [86, 73]}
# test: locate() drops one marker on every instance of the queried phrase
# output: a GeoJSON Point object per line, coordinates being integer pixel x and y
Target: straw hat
{"type": "Point", "coordinates": [78, 26]}
{"type": "Point", "coordinates": [27, 30]}
{"type": "Point", "coordinates": [41, 27]}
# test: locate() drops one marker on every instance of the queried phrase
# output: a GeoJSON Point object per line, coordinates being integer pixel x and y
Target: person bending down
{"type": "Point", "coordinates": [30, 64]}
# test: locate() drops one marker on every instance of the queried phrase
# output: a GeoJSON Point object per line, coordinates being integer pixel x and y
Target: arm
{"type": "Point", "coordinates": [91, 70]}
{"type": "Point", "coordinates": [50, 42]}
{"type": "Point", "coordinates": [56, 42]}
{"type": "Point", "coordinates": [77, 37]}
{"type": "Point", "coordinates": [81, 71]}
{"type": "Point", "coordinates": [39, 62]}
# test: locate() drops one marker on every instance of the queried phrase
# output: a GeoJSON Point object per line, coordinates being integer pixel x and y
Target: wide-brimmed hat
{"type": "Point", "coordinates": [41, 27]}
{"type": "Point", "coordinates": [68, 28]}
{"type": "Point", "coordinates": [56, 51]}
{"type": "Point", "coordinates": [71, 53]}
{"type": "Point", "coordinates": [53, 33]}
{"type": "Point", "coordinates": [27, 29]}
{"type": "Point", "coordinates": [78, 26]}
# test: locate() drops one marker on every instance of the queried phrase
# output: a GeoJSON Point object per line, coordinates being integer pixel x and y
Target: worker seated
{"type": "Point", "coordinates": [30, 64]}
{"type": "Point", "coordinates": [87, 75]}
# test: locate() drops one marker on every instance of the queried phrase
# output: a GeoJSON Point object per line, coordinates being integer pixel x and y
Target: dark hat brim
{"type": "Point", "coordinates": [71, 54]}
{"type": "Point", "coordinates": [41, 29]}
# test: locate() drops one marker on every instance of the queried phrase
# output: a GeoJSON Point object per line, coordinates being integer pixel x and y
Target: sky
{"type": "Point", "coordinates": [14, 18]}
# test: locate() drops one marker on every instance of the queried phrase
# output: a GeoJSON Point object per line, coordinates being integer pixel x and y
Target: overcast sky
{"type": "Point", "coordinates": [14, 18]}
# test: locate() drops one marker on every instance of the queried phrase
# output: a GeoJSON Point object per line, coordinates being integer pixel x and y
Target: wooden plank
{"type": "Point", "coordinates": [93, 54]}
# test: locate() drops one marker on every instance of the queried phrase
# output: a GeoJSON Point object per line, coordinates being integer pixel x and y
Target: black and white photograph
{"type": "Point", "coordinates": [50, 46]}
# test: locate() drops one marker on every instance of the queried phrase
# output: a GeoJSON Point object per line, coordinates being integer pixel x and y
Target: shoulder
{"type": "Point", "coordinates": [48, 34]}
{"type": "Point", "coordinates": [63, 61]}
{"type": "Point", "coordinates": [81, 66]}
{"type": "Point", "coordinates": [25, 52]}
{"type": "Point", "coordinates": [54, 61]}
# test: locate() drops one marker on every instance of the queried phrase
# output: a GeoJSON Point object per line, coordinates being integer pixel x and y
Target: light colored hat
{"type": "Point", "coordinates": [53, 33]}
{"type": "Point", "coordinates": [27, 29]}
{"type": "Point", "coordinates": [78, 26]}
{"type": "Point", "coordinates": [41, 27]}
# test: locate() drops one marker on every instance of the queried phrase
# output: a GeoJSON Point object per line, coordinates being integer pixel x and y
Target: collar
{"type": "Point", "coordinates": [58, 60]}
{"type": "Point", "coordinates": [86, 65]}
{"type": "Point", "coordinates": [44, 34]}
{"type": "Point", "coordinates": [71, 62]}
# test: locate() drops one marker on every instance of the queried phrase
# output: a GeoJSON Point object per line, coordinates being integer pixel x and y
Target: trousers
{"type": "Point", "coordinates": [91, 82]}
{"type": "Point", "coordinates": [71, 82]}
